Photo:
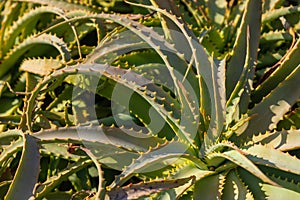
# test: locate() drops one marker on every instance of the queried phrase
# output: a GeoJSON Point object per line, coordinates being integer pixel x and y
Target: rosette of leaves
{"type": "Point", "coordinates": [186, 125]}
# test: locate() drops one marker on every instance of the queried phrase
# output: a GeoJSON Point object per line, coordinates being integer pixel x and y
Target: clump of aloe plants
{"type": "Point", "coordinates": [152, 99]}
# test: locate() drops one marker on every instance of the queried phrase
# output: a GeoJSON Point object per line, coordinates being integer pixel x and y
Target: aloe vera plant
{"type": "Point", "coordinates": [182, 103]}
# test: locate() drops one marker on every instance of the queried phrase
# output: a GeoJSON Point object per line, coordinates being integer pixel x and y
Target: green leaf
{"type": "Point", "coordinates": [135, 191]}
{"type": "Point", "coordinates": [277, 193]}
{"type": "Point", "coordinates": [272, 108]}
{"type": "Point", "coordinates": [276, 13]}
{"type": "Point", "coordinates": [118, 137]}
{"type": "Point", "coordinates": [264, 155]}
{"type": "Point", "coordinates": [26, 177]}
{"type": "Point", "coordinates": [251, 20]}
{"type": "Point", "coordinates": [40, 67]}
{"type": "Point", "coordinates": [241, 160]}
{"type": "Point", "coordinates": [285, 140]}
{"type": "Point", "coordinates": [234, 187]}
{"type": "Point", "coordinates": [208, 188]}
{"type": "Point", "coordinates": [157, 158]}
{"type": "Point", "coordinates": [17, 52]}
{"type": "Point", "coordinates": [46, 187]}
{"type": "Point", "coordinates": [288, 63]}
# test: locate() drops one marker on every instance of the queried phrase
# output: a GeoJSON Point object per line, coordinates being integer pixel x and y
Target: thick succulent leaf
{"type": "Point", "coordinates": [251, 19]}
{"type": "Point", "coordinates": [63, 4]}
{"type": "Point", "coordinates": [8, 152]}
{"type": "Point", "coordinates": [252, 183]}
{"type": "Point", "coordinates": [287, 183]}
{"type": "Point", "coordinates": [267, 156]}
{"type": "Point", "coordinates": [208, 187]}
{"type": "Point", "coordinates": [51, 183]}
{"type": "Point", "coordinates": [27, 173]}
{"type": "Point", "coordinates": [114, 45]}
{"type": "Point", "coordinates": [275, 192]}
{"type": "Point", "coordinates": [10, 134]}
{"type": "Point", "coordinates": [170, 29]}
{"type": "Point", "coordinates": [274, 36]}
{"type": "Point", "coordinates": [29, 43]}
{"type": "Point", "coordinates": [284, 140]}
{"type": "Point", "coordinates": [40, 66]}
{"type": "Point", "coordinates": [187, 169]}
{"type": "Point", "coordinates": [234, 188]}
{"type": "Point", "coordinates": [58, 150]}
{"type": "Point", "coordinates": [276, 13]}
{"type": "Point", "coordinates": [119, 137]}
{"type": "Point", "coordinates": [241, 160]}
{"type": "Point", "coordinates": [288, 63]}
{"type": "Point", "coordinates": [234, 105]}
{"type": "Point", "coordinates": [157, 158]}
{"type": "Point", "coordinates": [27, 21]}
{"type": "Point", "coordinates": [135, 191]}
{"type": "Point", "coordinates": [272, 108]}
{"type": "Point", "coordinates": [9, 11]}
{"type": "Point", "coordinates": [100, 192]}
{"type": "Point", "coordinates": [114, 147]}
{"type": "Point", "coordinates": [291, 120]}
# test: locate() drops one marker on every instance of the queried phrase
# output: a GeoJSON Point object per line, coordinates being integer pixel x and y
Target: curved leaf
{"type": "Point", "coordinates": [27, 173]}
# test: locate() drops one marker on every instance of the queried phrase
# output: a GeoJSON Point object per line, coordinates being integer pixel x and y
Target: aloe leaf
{"type": "Point", "coordinates": [28, 19]}
{"type": "Point", "coordinates": [251, 18]}
{"type": "Point", "coordinates": [9, 152]}
{"type": "Point", "coordinates": [58, 150]}
{"type": "Point", "coordinates": [101, 192]}
{"type": "Point", "coordinates": [10, 134]}
{"type": "Point", "coordinates": [157, 158]}
{"type": "Point", "coordinates": [9, 11]}
{"type": "Point", "coordinates": [252, 183]}
{"type": "Point", "coordinates": [234, 188]}
{"type": "Point", "coordinates": [272, 108]}
{"type": "Point", "coordinates": [168, 26]}
{"type": "Point", "coordinates": [114, 45]}
{"type": "Point", "coordinates": [27, 44]}
{"type": "Point", "coordinates": [63, 4]}
{"type": "Point", "coordinates": [46, 187]}
{"type": "Point", "coordinates": [289, 62]}
{"type": "Point", "coordinates": [276, 13]}
{"type": "Point", "coordinates": [273, 36]}
{"type": "Point", "coordinates": [287, 183]}
{"type": "Point", "coordinates": [113, 147]}
{"type": "Point", "coordinates": [241, 160]}
{"type": "Point", "coordinates": [187, 169]}
{"type": "Point", "coordinates": [275, 192]}
{"type": "Point", "coordinates": [135, 191]}
{"type": "Point", "coordinates": [208, 187]}
{"type": "Point", "coordinates": [40, 66]}
{"type": "Point", "coordinates": [120, 137]}
{"type": "Point", "coordinates": [235, 104]}
{"type": "Point", "coordinates": [285, 140]}
{"type": "Point", "coordinates": [264, 155]}
{"type": "Point", "coordinates": [27, 173]}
